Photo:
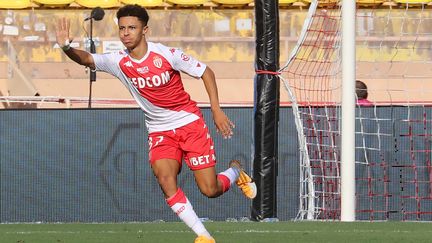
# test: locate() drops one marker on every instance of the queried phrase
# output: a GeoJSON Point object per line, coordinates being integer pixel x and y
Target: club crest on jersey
{"type": "Point", "coordinates": [157, 61]}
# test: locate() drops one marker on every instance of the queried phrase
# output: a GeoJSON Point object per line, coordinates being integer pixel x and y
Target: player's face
{"type": "Point", "coordinates": [131, 31]}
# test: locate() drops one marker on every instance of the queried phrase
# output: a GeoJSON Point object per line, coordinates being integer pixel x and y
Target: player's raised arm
{"type": "Point", "coordinates": [64, 40]}
{"type": "Point", "coordinates": [223, 124]}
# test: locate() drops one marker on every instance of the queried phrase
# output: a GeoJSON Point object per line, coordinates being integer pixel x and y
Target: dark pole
{"type": "Point", "coordinates": [266, 111]}
{"type": "Point", "coordinates": [96, 14]}
{"type": "Point", "coordinates": [92, 72]}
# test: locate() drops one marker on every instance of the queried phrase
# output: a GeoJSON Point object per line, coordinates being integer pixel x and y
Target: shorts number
{"type": "Point", "coordinates": [159, 139]}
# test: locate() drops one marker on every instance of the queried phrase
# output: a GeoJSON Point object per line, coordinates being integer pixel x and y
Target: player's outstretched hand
{"type": "Point", "coordinates": [223, 124]}
{"type": "Point", "coordinates": [62, 32]}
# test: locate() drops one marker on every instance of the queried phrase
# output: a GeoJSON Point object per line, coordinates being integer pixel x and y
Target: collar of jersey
{"type": "Point", "coordinates": [144, 57]}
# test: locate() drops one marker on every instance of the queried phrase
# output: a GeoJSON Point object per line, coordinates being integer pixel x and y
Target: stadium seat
{"type": "Point", "coordinates": [98, 3]}
{"type": "Point", "coordinates": [53, 3]}
{"type": "Point", "coordinates": [323, 2]}
{"type": "Point", "coordinates": [233, 2]}
{"type": "Point", "coordinates": [15, 4]}
{"type": "Point", "coordinates": [188, 2]}
{"type": "Point", "coordinates": [367, 3]}
{"type": "Point", "coordinates": [414, 2]}
{"type": "Point", "coordinates": [389, 4]}
{"type": "Point", "coordinates": [286, 2]}
{"type": "Point", "coordinates": [145, 3]}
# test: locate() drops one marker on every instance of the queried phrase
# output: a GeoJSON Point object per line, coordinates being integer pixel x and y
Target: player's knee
{"type": "Point", "coordinates": [210, 191]}
{"type": "Point", "coordinates": [166, 181]}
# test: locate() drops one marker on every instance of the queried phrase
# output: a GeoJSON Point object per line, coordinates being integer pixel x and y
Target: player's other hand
{"type": "Point", "coordinates": [223, 124]}
{"type": "Point", "coordinates": [62, 32]}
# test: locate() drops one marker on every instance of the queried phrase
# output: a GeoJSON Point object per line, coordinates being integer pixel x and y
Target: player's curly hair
{"type": "Point", "coordinates": [134, 10]}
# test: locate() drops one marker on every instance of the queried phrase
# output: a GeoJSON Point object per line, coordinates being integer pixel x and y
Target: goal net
{"type": "Point", "coordinates": [393, 138]}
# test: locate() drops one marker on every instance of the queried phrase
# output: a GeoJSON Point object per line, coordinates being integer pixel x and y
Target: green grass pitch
{"type": "Point", "coordinates": [223, 232]}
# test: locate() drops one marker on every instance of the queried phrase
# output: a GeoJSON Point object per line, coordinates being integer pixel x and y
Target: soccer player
{"type": "Point", "coordinates": [177, 130]}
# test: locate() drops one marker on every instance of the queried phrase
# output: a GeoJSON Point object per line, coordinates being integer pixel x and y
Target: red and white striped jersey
{"type": "Point", "coordinates": [156, 84]}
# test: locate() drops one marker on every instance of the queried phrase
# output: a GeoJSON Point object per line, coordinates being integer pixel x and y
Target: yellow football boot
{"type": "Point", "coordinates": [244, 182]}
{"type": "Point", "coordinates": [204, 239]}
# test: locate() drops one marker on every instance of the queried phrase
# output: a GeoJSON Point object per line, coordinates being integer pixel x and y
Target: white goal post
{"type": "Point", "coordinates": [348, 113]}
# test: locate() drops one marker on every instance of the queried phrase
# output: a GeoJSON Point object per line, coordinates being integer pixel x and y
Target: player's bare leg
{"type": "Point", "coordinates": [214, 186]}
{"type": "Point", "coordinates": [208, 182]}
{"type": "Point", "coordinates": [166, 171]}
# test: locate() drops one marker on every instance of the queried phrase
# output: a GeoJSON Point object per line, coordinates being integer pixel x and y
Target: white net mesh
{"type": "Point", "coordinates": [393, 131]}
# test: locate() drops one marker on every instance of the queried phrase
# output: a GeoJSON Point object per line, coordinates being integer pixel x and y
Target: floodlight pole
{"type": "Point", "coordinates": [348, 111]}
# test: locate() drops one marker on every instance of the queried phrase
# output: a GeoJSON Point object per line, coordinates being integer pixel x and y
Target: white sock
{"type": "Point", "coordinates": [232, 174]}
{"type": "Point", "coordinates": [183, 208]}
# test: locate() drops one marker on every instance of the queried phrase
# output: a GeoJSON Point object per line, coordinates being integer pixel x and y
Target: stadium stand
{"type": "Point", "coordinates": [15, 4]}
{"type": "Point", "coordinates": [222, 38]}
{"type": "Point", "coordinates": [370, 3]}
{"type": "Point", "coordinates": [323, 2]}
{"type": "Point", "coordinates": [145, 3]}
{"type": "Point", "coordinates": [286, 2]}
{"type": "Point", "coordinates": [45, 53]}
{"type": "Point", "coordinates": [188, 3]}
{"type": "Point", "coordinates": [233, 3]}
{"type": "Point", "coordinates": [242, 23]}
{"type": "Point", "coordinates": [413, 2]}
{"type": "Point", "coordinates": [53, 3]}
{"type": "Point", "coordinates": [98, 3]}
{"type": "Point", "coordinates": [27, 4]}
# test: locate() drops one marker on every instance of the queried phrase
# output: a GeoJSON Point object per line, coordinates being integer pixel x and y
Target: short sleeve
{"type": "Point", "coordinates": [187, 64]}
{"type": "Point", "coordinates": [106, 62]}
